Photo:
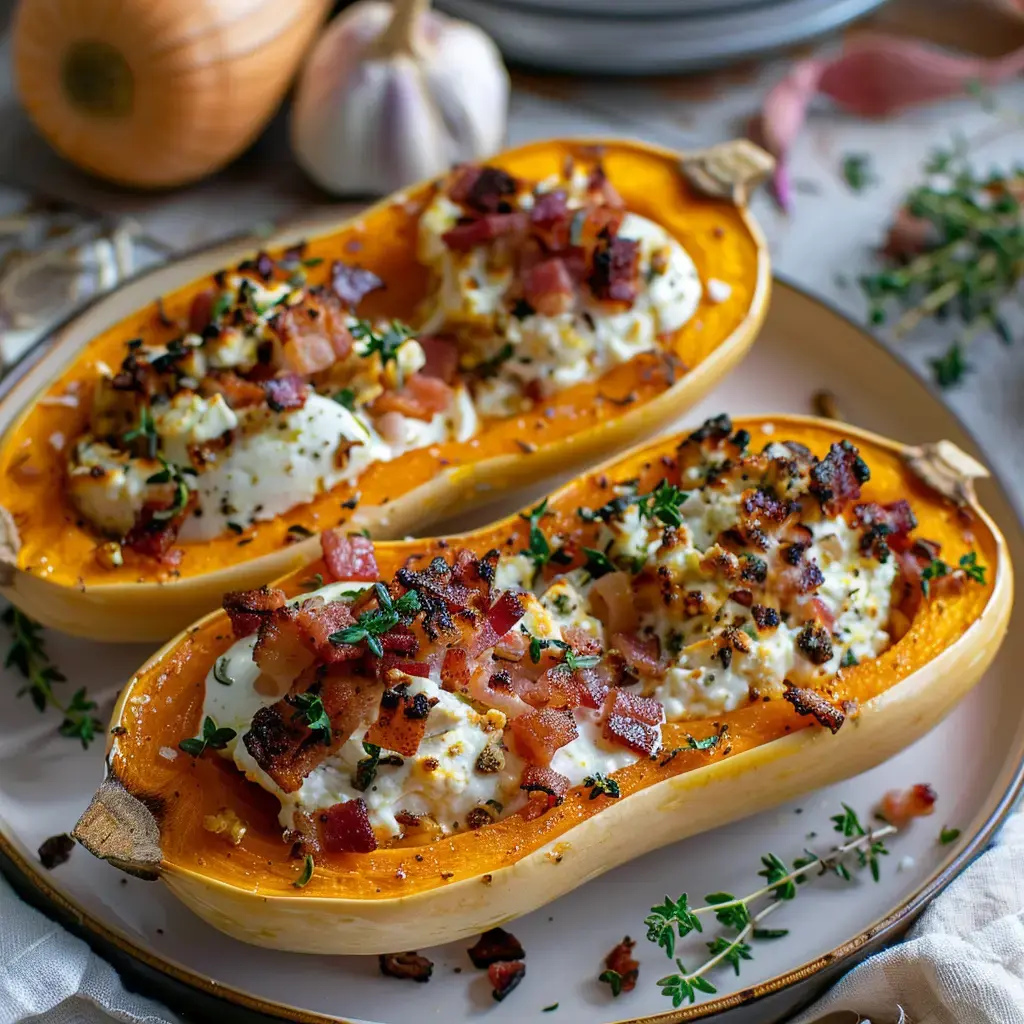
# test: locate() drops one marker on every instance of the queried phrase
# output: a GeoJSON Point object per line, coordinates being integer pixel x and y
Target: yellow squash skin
{"type": "Point", "coordinates": [53, 573]}
{"type": "Point", "coordinates": [462, 884]}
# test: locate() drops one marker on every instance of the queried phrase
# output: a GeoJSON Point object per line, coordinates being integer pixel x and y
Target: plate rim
{"type": "Point", "coordinates": [885, 926]}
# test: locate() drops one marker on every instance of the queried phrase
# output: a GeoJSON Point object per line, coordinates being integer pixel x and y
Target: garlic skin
{"type": "Point", "coordinates": [392, 94]}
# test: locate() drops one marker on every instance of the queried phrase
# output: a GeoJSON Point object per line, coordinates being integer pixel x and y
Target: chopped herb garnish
{"type": "Point", "coordinates": [858, 172]}
{"type": "Point", "coordinates": [612, 979]}
{"type": "Point", "coordinates": [315, 582]}
{"type": "Point", "coordinates": [709, 742]}
{"type": "Point", "coordinates": [539, 550]}
{"type": "Point", "coordinates": [598, 563]}
{"type": "Point", "coordinates": [366, 768]}
{"type": "Point", "coordinates": [211, 736]}
{"type": "Point", "coordinates": [663, 504]}
{"type": "Point", "coordinates": [312, 713]}
{"type": "Point", "coordinates": [220, 672]}
{"type": "Point", "coordinates": [346, 397]}
{"type": "Point", "coordinates": [949, 835]}
{"type": "Point", "coordinates": [28, 655]}
{"type": "Point", "coordinates": [935, 570]}
{"type": "Point", "coordinates": [372, 625]}
{"type": "Point", "coordinates": [951, 367]}
{"type": "Point", "coordinates": [969, 564]}
{"type": "Point", "coordinates": [849, 659]}
{"type": "Point", "coordinates": [171, 474]}
{"type": "Point", "coordinates": [221, 305]}
{"type": "Point", "coordinates": [549, 1009]}
{"type": "Point", "coordinates": [385, 343]}
{"type": "Point", "coordinates": [146, 430]}
{"type": "Point", "coordinates": [601, 785]}
{"type": "Point", "coordinates": [306, 874]}
{"type": "Point", "coordinates": [298, 530]}
{"type": "Point", "coordinates": [490, 367]}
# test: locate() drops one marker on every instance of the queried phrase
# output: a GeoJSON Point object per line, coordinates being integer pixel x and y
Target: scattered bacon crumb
{"type": "Point", "coordinates": [407, 966]}
{"type": "Point", "coordinates": [900, 807]}
{"type": "Point", "coordinates": [620, 960]}
{"type": "Point", "coordinates": [346, 828]}
{"type": "Point", "coordinates": [349, 556]}
{"type": "Point", "coordinates": [494, 945]}
{"type": "Point", "coordinates": [247, 609]}
{"type": "Point", "coordinates": [504, 976]}
{"type": "Point", "coordinates": [286, 392]}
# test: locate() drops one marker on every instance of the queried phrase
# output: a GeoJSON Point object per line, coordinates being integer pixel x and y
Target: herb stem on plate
{"type": "Point", "coordinates": [28, 655]}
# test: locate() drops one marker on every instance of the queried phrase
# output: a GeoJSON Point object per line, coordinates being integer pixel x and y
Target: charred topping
{"type": "Point", "coordinates": [494, 945]}
{"type": "Point", "coordinates": [815, 643]}
{"type": "Point", "coordinates": [810, 702]}
{"type": "Point", "coordinates": [407, 966]}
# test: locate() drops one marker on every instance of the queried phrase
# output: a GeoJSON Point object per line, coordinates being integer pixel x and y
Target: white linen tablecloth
{"type": "Point", "coordinates": [962, 963]}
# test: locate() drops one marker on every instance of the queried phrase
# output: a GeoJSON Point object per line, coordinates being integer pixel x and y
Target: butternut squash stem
{"type": "Point", "coordinates": [403, 34]}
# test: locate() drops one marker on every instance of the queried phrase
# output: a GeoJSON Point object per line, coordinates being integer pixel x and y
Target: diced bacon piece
{"type": "Point", "coordinates": [392, 428]}
{"type": "Point", "coordinates": [633, 705]}
{"type": "Point", "coordinates": [280, 652]}
{"type": "Point", "coordinates": [442, 355]}
{"type": "Point", "coordinates": [248, 608]}
{"type": "Point", "coordinates": [594, 228]}
{"type": "Point", "coordinates": [642, 654]}
{"type": "Point", "coordinates": [400, 664]}
{"type": "Point", "coordinates": [401, 722]}
{"type": "Point", "coordinates": [628, 732]}
{"type": "Point", "coordinates": [557, 687]}
{"type": "Point", "coordinates": [419, 398]}
{"type": "Point", "coordinates": [593, 687]}
{"type": "Point", "coordinates": [494, 945]}
{"type": "Point", "coordinates": [312, 334]}
{"type": "Point", "coordinates": [549, 209]}
{"type": "Point", "coordinates": [899, 808]}
{"type": "Point", "coordinates": [349, 556]}
{"type": "Point", "coordinates": [504, 976]}
{"type": "Point", "coordinates": [836, 479]}
{"type": "Point", "coordinates": [548, 288]}
{"type": "Point", "coordinates": [407, 966]}
{"type": "Point", "coordinates": [318, 620]}
{"type": "Point", "coordinates": [455, 674]}
{"type": "Point", "coordinates": [616, 270]}
{"type": "Point", "coordinates": [886, 526]}
{"type": "Point", "coordinates": [465, 237]}
{"type": "Point", "coordinates": [500, 618]}
{"type": "Point", "coordinates": [154, 537]}
{"type": "Point", "coordinates": [544, 780]}
{"type": "Point", "coordinates": [536, 735]}
{"type": "Point", "coordinates": [624, 964]}
{"type": "Point", "coordinates": [602, 189]}
{"type": "Point", "coordinates": [200, 312]}
{"type": "Point", "coordinates": [400, 640]}
{"type": "Point", "coordinates": [484, 189]}
{"type": "Point", "coordinates": [581, 641]}
{"type": "Point", "coordinates": [611, 598]}
{"type": "Point", "coordinates": [345, 828]}
{"type": "Point", "coordinates": [352, 284]}
{"type": "Point", "coordinates": [820, 613]}
{"type": "Point", "coordinates": [286, 392]}
{"type": "Point", "coordinates": [436, 580]}
{"type": "Point", "coordinates": [237, 392]}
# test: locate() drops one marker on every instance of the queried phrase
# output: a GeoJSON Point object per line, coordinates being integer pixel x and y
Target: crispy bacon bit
{"type": "Point", "coordinates": [200, 312]}
{"type": "Point", "coordinates": [465, 237]}
{"type": "Point", "coordinates": [280, 652]}
{"type": "Point", "coordinates": [407, 966]}
{"type": "Point", "coordinates": [352, 284]}
{"type": "Point", "coordinates": [642, 655]}
{"type": "Point", "coordinates": [715, 430]}
{"type": "Point", "coordinates": [811, 577]}
{"type": "Point", "coordinates": [346, 828]}
{"type": "Point", "coordinates": [504, 976]}
{"type": "Point", "coordinates": [154, 537]}
{"type": "Point", "coordinates": [494, 945]}
{"type": "Point", "coordinates": [420, 398]}
{"type": "Point", "coordinates": [810, 702]}
{"type": "Point", "coordinates": [836, 479]}
{"type": "Point", "coordinates": [581, 641]}
{"type": "Point", "coordinates": [455, 674]}
{"type": "Point", "coordinates": [237, 392]}
{"type": "Point", "coordinates": [633, 705]}
{"type": "Point", "coordinates": [621, 961]}
{"type": "Point", "coordinates": [401, 722]}
{"type": "Point", "coordinates": [349, 557]}
{"type": "Point", "coordinates": [628, 732]}
{"type": "Point", "coordinates": [312, 334]}
{"type": "Point", "coordinates": [548, 287]}
{"type": "Point", "coordinates": [287, 392]}
{"type": "Point", "coordinates": [247, 609]}
{"type": "Point", "coordinates": [616, 273]}
{"type": "Point", "coordinates": [442, 355]}
{"type": "Point", "coordinates": [317, 620]}
{"type": "Point", "coordinates": [765, 617]}
{"type": "Point", "coordinates": [544, 782]}
{"type": "Point", "coordinates": [815, 643]}
{"type": "Point", "coordinates": [484, 189]}
{"type": "Point", "coordinates": [549, 209]}
{"type": "Point", "coordinates": [537, 734]}
{"type": "Point", "coordinates": [763, 508]}
{"type": "Point", "coordinates": [500, 618]}
{"type": "Point", "coordinates": [899, 808]}
{"type": "Point", "coordinates": [885, 527]}
{"type": "Point", "coordinates": [57, 849]}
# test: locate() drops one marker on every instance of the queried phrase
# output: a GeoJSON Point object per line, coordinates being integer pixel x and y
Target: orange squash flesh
{"type": "Point", "coordinates": [585, 420]}
{"type": "Point", "coordinates": [163, 703]}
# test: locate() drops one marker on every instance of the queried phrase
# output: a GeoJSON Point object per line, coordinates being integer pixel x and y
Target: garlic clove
{"type": "Point", "coordinates": [390, 96]}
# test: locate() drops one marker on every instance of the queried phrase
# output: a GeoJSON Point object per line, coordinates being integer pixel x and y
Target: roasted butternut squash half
{"type": "Point", "coordinates": [335, 760]}
{"type": "Point", "coordinates": [462, 337]}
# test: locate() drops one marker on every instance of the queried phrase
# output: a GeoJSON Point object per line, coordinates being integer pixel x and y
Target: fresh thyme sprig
{"type": "Point", "coordinates": [539, 549]}
{"type": "Point", "coordinates": [28, 655]}
{"type": "Point", "coordinates": [312, 714]}
{"type": "Point", "coordinates": [971, 229]}
{"type": "Point", "coordinates": [675, 919]}
{"type": "Point", "coordinates": [386, 342]}
{"type": "Point", "coordinates": [372, 625]}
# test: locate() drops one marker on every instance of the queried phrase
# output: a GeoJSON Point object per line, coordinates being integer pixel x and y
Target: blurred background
{"type": "Point", "coordinates": [134, 130]}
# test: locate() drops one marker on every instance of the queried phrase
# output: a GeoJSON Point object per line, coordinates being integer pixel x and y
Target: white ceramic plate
{"type": "Point", "coordinates": [653, 38]}
{"type": "Point", "coordinates": [973, 759]}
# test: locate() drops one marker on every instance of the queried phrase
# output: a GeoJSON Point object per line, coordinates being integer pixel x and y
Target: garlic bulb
{"type": "Point", "coordinates": [395, 93]}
